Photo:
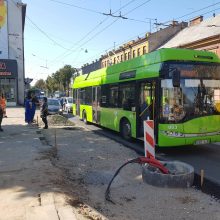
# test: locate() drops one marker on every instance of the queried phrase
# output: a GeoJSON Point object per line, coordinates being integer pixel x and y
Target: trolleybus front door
{"type": "Point", "coordinates": [96, 94]}
{"type": "Point", "coordinates": [77, 102]}
{"type": "Point", "coordinates": [146, 104]}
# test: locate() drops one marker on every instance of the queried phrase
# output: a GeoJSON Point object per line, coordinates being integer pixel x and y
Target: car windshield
{"type": "Point", "coordinates": [53, 102]}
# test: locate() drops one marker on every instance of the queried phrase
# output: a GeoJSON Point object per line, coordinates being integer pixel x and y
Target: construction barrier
{"type": "Point", "coordinates": [149, 143]}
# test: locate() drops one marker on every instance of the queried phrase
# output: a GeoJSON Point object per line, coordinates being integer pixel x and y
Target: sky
{"type": "Point", "coordinates": [76, 32]}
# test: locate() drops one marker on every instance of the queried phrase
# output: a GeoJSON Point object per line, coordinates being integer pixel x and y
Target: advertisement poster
{"type": "Point", "coordinates": [3, 30]}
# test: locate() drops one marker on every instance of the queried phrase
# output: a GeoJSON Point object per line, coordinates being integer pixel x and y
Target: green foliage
{"type": "Point", "coordinates": [51, 84]}
{"type": "Point", "coordinates": [60, 80]}
{"type": "Point", "coordinates": [40, 84]}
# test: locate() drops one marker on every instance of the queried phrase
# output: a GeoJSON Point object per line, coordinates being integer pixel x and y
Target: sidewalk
{"type": "Point", "coordinates": [28, 188]}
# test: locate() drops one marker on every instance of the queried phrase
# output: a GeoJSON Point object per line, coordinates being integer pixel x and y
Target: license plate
{"type": "Point", "coordinates": [201, 142]}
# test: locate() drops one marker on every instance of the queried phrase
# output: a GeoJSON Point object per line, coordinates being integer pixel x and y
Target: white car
{"type": "Point", "coordinates": [68, 104]}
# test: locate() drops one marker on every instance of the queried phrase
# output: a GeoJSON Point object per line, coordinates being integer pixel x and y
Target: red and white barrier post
{"type": "Point", "coordinates": [149, 143]}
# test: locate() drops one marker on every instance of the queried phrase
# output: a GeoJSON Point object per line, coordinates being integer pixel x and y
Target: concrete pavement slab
{"type": "Point", "coordinates": [66, 213]}
{"type": "Point", "coordinates": [47, 212]}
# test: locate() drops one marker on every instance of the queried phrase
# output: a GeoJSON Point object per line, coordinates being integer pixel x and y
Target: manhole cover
{"type": "Point", "coordinates": [38, 132]}
{"type": "Point", "coordinates": [102, 178]}
{"type": "Point", "coordinates": [42, 138]}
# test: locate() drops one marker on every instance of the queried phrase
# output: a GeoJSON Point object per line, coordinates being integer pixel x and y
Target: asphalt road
{"type": "Point", "coordinates": [201, 157]}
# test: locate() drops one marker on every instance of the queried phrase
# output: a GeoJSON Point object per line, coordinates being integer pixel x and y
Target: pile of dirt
{"type": "Point", "coordinates": [58, 120]}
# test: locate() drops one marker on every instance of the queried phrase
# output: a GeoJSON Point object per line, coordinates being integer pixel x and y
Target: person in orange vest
{"type": "Point", "coordinates": [3, 103]}
{"type": "Point", "coordinates": [1, 113]}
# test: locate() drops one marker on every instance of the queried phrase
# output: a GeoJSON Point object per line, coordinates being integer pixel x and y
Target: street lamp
{"type": "Point", "coordinates": [46, 67]}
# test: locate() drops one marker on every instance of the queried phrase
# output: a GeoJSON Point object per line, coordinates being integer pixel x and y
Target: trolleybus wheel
{"type": "Point", "coordinates": [125, 129]}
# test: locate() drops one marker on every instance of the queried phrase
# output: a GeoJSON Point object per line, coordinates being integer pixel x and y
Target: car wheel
{"type": "Point", "coordinates": [125, 129]}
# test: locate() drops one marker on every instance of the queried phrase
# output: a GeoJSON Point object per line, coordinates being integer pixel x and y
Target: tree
{"type": "Point", "coordinates": [40, 84]}
{"type": "Point", "coordinates": [65, 75]}
{"type": "Point", "coordinates": [51, 84]}
{"type": "Point", "coordinates": [60, 80]}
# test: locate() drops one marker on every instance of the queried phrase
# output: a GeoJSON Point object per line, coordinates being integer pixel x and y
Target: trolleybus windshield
{"type": "Point", "coordinates": [198, 94]}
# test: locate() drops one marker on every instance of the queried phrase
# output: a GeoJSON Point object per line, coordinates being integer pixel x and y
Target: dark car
{"type": "Point", "coordinates": [54, 106]}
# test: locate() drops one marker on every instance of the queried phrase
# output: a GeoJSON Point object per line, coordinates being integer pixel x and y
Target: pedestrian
{"type": "Point", "coordinates": [3, 104]}
{"type": "Point", "coordinates": [62, 102]}
{"type": "Point", "coordinates": [1, 114]}
{"type": "Point", "coordinates": [35, 102]}
{"type": "Point", "coordinates": [44, 112]}
{"type": "Point", "coordinates": [28, 107]}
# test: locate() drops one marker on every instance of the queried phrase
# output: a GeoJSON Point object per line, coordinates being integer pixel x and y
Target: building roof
{"type": "Point", "coordinates": [209, 27]}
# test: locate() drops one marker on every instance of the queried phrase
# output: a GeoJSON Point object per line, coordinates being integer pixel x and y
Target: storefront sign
{"type": "Point", "coordinates": [8, 69]}
{"type": "Point", "coordinates": [3, 30]}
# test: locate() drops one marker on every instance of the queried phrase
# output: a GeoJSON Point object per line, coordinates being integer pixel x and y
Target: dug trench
{"type": "Point", "coordinates": [88, 161]}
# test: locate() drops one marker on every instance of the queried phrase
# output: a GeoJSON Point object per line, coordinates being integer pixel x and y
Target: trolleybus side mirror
{"type": "Point", "coordinates": [176, 78]}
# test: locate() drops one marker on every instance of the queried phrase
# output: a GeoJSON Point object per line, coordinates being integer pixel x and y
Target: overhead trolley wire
{"type": "Point", "coordinates": [138, 7]}
{"type": "Point", "coordinates": [63, 55]}
{"type": "Point", "coordinates": [45, 34]}
{"type": "Point", "coordinates": [204, 13]}
{"type": "Point", "coordinates": [170, 20]}
{"type": "Point", "coordinates": [201, 9]}
{"type": "Point", "coordinates": [112, 23]}
{"type": "Point", "coordinates": [76, 6]}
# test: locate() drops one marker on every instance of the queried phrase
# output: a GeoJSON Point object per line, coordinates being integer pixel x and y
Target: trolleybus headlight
{"type": "Point", "coordinates": [172, 134]}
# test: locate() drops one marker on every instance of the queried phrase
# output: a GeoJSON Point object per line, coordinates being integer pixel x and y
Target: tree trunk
{"type": "Point", "coordinates": [68, 88]}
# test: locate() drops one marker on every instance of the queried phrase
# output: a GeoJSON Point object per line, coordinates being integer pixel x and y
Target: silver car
{"type": "Point", "coordinates": [68, 104]}
{"type": "Point", "coordinates": [54, 106]}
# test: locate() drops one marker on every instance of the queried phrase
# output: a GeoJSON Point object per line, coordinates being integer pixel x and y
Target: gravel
{"type": "Point", "coordinates": [88, 162]}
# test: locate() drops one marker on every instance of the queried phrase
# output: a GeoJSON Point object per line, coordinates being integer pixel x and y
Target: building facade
{"type": "Point", "coordinates": [12, 20]}
{"type": "Point", "coordinates": [87, 68]}
{"type": "Point", "coordinates": [199, 35]}
{"type": "Point", "coordinates": [135, 48]}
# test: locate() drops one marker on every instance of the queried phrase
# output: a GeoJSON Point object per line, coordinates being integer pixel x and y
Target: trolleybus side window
{"type": "Point", "coordinates": [81, 95]}
{"type": "Point", "coordinates": [127, 96]}
{"type": "Point", "coordinates": [88, 95]}
{"type": "Point", "coordinates": [85, 96]}
{"type": "Point", "coordinates": [113, 96]}
{"type": "Point", "coordinates": [104, 95]}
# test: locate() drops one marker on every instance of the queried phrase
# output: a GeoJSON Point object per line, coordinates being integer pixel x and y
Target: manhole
{"type": "Point", "coordinates": [101, 178]}
{"type": "Point", "coordinates": [38, 132]}
{"type": "Point", "coordinates": [181, 175]}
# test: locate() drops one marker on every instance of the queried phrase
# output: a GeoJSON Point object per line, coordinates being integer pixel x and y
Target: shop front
{"type": "Point", "coordinates": [9, 81]}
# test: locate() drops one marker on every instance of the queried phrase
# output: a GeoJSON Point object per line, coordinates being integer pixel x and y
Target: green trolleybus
{"type": "Point", "coordinates": [177, 88]}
